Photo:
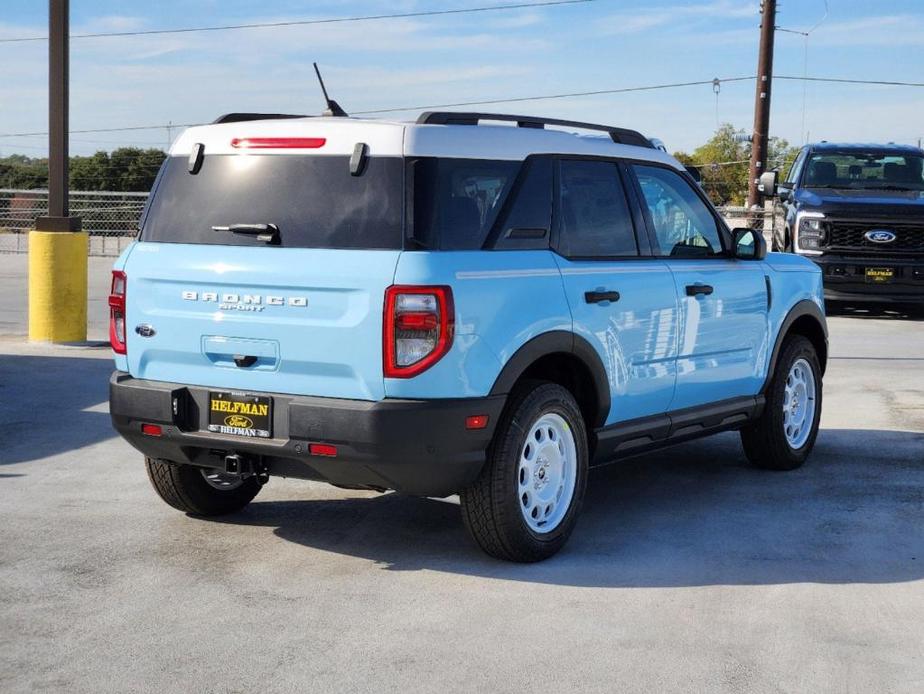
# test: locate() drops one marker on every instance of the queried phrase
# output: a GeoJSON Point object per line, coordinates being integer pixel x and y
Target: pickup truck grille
{"type": "Point", "coordinates": [848, 237]}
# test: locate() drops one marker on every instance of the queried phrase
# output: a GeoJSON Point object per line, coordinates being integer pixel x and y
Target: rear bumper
{"type": "Point", "coordinates": [845, 278]}
{"type": "Point", "coordinates": [418, 447]}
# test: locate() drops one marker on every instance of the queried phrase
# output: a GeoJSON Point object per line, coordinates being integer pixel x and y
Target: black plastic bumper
{"type": "Point", "coordinates": [845, 279]}
{"type": "Point", "coordinates": [418, 447]}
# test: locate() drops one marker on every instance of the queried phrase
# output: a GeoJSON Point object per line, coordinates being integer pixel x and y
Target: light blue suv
{"type": "Point", "coordinates": [474, 304]}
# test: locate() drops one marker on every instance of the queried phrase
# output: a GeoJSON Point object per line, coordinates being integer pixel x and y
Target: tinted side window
{"type": "Point", "coordinates": [527, 216]}
{"type": "Point", "coordinates": [457, 200]}
{"type": "Point", "coordinates": [593, 211]}
{"type": "Point", "coordinates": [796, 167]}
{"type": "Point", "coordinates": [683, 224]}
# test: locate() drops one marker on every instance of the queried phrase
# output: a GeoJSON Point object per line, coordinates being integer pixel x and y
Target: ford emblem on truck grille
{"type": "Point", "coordinates": [879, 236]}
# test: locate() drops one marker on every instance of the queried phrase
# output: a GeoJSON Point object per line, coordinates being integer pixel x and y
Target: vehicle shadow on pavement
{"type": "Point", "coordinates": [693, 515]}
{"type": "Point", "coordinates": [888, 311]}
{"type": "Point", "coordinates": [43, 403]}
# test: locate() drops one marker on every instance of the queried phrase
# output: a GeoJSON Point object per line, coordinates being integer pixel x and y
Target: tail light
{"type": "Point", "coordinates": [117, 312]}
{"type": "Point", "coordinates": [417, 329]}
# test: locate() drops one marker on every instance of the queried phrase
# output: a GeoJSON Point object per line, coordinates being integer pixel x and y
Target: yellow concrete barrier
{"type": "Point", "coordinates": [58, 286]}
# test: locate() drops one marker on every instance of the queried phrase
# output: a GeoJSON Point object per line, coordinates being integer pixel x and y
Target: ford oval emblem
{"type": "Point", "coordinates": [145, 330]}
{"type": "Point", "coordinates": [879, 236]}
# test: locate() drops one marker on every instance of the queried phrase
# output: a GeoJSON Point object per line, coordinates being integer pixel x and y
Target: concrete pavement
{"type": "Point", "coordinates": [689, 571]}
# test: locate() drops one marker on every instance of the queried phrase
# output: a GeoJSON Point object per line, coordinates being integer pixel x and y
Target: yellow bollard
{"type": "Point", "coordinates": [58, 286]}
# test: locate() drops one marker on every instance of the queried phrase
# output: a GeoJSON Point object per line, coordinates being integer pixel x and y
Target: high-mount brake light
{"type": "Point", "coordinates": [278, 142]}
{"type": "Point", "coordinates": [417, 329]}
{"type": "Point", "coordinates": [117, 312]}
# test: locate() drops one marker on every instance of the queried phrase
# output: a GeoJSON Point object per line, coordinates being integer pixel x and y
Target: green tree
{"type": "Point", "coordinates": [134, 169]}
{"type": "Point", "coordinates": [90, 173]}
{"type": "Point", "coordinates": [126, 169]}
{"type": "Point", "coordinates": [723, 163]}
{"type": "Point", "coordinates": [19, 171]}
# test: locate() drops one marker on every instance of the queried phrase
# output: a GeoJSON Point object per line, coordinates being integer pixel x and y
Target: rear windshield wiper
{"type": "Point", "coordinates": [264, 232]}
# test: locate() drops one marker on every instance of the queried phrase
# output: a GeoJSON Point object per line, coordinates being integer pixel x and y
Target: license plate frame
{"type": "Point", "coordinates": [242, 415]}
{"type": "Point", "coordinates": [879, 275]}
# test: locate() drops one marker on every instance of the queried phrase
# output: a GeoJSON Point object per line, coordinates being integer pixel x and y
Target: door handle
{"type": "Point", "coordinates": [600, 296]}
{"type": "Point", "coordinates": [244, 360]}
{"type": "Point", "coordinates": [696, 289]}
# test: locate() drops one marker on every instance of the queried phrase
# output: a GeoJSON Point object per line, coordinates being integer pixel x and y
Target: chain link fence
{"type": "Point", "coordinates": [112, 218]}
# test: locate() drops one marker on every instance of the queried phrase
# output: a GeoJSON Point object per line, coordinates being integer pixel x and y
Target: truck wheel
{"type": "Point", "coordinates": [783, 436]}
{"type": "Point", "coordinates": [201, 491]}
{"type": "Point", "coordinates": [526, 501]}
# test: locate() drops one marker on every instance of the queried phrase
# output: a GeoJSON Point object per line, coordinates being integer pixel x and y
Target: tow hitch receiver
{"type": "Point", "coordinates": [238, 465]}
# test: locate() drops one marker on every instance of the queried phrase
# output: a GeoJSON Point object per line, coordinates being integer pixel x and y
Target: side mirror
{"type": "Point", "coordinates": [766, 184]}
{"type": "Point", "coordinates": [695, 173]}
{"type": "Point", "coordinates": [749, 244]}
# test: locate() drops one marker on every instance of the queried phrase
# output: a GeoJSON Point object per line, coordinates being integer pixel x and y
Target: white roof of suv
{"type": "Point", "coordinates": [395, 138]}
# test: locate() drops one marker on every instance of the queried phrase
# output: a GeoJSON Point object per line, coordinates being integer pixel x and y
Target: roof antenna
{"type": "Point", "coordinates": [333, 108]}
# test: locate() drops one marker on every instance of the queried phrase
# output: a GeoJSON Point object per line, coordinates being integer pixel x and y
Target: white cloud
{"type": "Point", "coordinates": [636, 21]}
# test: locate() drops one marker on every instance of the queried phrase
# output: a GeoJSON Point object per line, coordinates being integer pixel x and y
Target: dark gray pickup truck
{"type": "Point", "coordinates": [857, 210]}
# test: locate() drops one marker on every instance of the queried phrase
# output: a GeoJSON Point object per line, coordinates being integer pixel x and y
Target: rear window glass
{"type": "Point", "coordinates": [456, 201]}
{"type": "Point", "coordinates": [312, 200]}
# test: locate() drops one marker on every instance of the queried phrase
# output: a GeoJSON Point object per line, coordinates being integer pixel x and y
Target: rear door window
{"type": "Point", "coordinates": [594, 217]}
{"type": "Point", "coordinates": [313, 200]}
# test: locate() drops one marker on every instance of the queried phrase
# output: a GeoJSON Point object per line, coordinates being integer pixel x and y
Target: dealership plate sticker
{"type": "Point", "coordinates": [879, 275]}
{"type": "Point", "coordinates": [239, 414]}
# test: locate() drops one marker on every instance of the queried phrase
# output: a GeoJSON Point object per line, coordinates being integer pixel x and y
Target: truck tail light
{"type": "Point", "coordinates": [417, 329]}
{"type": "Point", "coordinates": [117, 312]}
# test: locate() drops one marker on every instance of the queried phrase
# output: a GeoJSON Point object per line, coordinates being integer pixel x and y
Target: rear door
{"type": "Point", "coordinates": [723, 332]}
{"type": "Point", "coordinates": [622, 300]}
{"type": "Point", "coordinates": [293, 305]}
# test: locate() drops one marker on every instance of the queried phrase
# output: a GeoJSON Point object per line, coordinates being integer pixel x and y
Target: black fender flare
{"type": "Point", "coordinates": [802, 308]}
{"type": "Point", "coordinates": [557, 342]}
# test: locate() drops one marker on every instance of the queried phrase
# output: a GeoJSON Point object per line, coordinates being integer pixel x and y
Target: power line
{"type": "Point", "coordinates": [109, 130]}
{"type": "Point", "coordinates": [567, 95]}
{"type": "Point", "coordinates": [884, 83]}
{"type": "Point", "coordinates": [306, 22]}
{"type": "Point", "coordinates": [622, 90]}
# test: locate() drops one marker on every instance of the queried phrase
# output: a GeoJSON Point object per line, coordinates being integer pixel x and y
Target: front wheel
{"type": "Point", "coordinates": [784, 435]}
{"type": "Point", "coordinates": [201, 491]}
{"type": "Point", "coordinates": [525, 503]}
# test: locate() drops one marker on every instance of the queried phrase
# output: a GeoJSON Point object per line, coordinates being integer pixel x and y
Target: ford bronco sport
{"type": "Point", "coordinates": [857, 210]}
{"type": "Point", "coordinates": [473, 304]}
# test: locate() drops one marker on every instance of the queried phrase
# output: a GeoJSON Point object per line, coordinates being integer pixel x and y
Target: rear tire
{"type": "Point", "coordinates": [784, 435]}
{"type": "Point", "coordinates": [186, 488]}
{"type": "Point", "coordinates": [526, 501]}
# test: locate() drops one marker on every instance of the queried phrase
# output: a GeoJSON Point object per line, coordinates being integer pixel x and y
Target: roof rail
{"type": "Point", "coordinates": [622, 136]}
{"type": "Point", "coordinates": [240, 117]}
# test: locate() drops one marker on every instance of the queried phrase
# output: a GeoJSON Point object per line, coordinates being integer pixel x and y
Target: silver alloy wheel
{"type": "Point", "coordinates": [222, 480]}
{"type": "Point", "coordinates": [547, 473]}
{"type": "Point", "coordinates": [799, 404]}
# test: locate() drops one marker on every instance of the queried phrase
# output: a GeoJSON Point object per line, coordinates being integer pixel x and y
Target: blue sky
{"type": "Point", "coordinates": [606, 44]}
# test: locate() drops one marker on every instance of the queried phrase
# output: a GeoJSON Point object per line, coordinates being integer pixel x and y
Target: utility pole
{"type": "Point", "coordinates": [57, 246]}
{"type": "Point", "coordinates": [760, 138]}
